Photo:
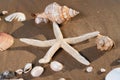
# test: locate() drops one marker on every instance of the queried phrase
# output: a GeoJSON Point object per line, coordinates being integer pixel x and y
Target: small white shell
{"type": "Point", "coordinates": [102, 70]}
{"type": "Point", "coordinates": [56, 66]}
{"type": "Point", "coordinates": [89, 69]}
{"type": "Point", "coordinates": [27, 67]}
{"type": "Point", "coordinates": [113, 75]}
{"type": "Point", "coordinates": [4, 12]}
{"type": "Point", "coordinates": [62, 79]}
{"type": "Point", "coordinates": [18, 16]}
{"type": "Point", "coordinates": [19, 71]}
{"type": "Point", "coordinates": [37, 71]}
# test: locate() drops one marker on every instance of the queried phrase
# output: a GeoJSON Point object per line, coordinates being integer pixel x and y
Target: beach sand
{"type": "Point", "coordinates": [95, 15]}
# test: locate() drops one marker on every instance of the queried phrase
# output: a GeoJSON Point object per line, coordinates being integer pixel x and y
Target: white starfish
{"type": "Point", "coordinates": [61, 42]}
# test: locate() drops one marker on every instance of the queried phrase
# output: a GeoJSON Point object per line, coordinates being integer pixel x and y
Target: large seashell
{"type": "Point", "coordinates": [55, 13]}
{"type": "Point", "coordinates": [6, 41]}
{"type": "Point", "coordinates": [17, 16]}
{"type": "Point", "coordinates": [27, 67]}
{"type": "Point", "coordinates": [113, 75]}
{"type": "Point", "coordinates": [104, 42]}
{"type": "Point", "coordinates": [37, 71]}
{"type": "Point", "coordinates": [56, 66]}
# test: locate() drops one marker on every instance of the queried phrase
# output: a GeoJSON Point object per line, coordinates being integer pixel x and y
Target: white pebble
{"type": "Point", "coordinates": [62, 79]}
{"type": "Point", "coordinates": [56, 66]}
{"type": "Point", "coordinates": [102, 70]}
{"type": "Point", "coordinates": [37, 71]}
{"type": "Point", "coordinates": [89, 69]}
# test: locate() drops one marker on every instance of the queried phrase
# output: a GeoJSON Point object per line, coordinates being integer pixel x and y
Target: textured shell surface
{"type": "Point", "coordinates": [56, 13]}
{"type": "Point", "coordinates": [6, 41]}
{"type": "Point", "coordinates": [37, 71]}
{"type": "Point", "coordinates": [56, 66]}
{"type": "Point", "coordinates": [113, 74]}
{"type": "Point", "coordinates": [17, 16]}
{"type": "Point", "coordinates": [27, 67]}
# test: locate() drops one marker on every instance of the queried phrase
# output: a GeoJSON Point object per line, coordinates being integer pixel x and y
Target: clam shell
{"type": "Point", "coordinates": [113, 75]}
{"type": "Point", "coordinates": [27, 67]}
{"type": "Point", "coordinates": [56, 13]}
{"type": "Point", "coordinates": [19, 71]}
{"type": "Point", "coordinates": [6, 41]}
{"type": "Point", "coordinates": [17, 16]}
{"type": "Point", "coordinates": [56, 66]}
{"type": "Point", "coordinates": [37, 71]}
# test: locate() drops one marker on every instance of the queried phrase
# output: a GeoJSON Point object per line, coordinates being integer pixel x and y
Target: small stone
{"type": "Point", "coordinates": [89, 69]}
{"type": "Point", "coordinates": [62, 79]}
{"type": "Point", "coordinates": [8, 74]}
{"type": "Point", "coordinates": [102, 70]}
{"type": "Point", "coordinates": [19, 71]}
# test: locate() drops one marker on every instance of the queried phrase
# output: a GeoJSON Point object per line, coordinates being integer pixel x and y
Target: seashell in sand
{"type": "Point", "coordinates": [113, 75]}
{"type": "Point", "coordinates": [102, 70]}
{"type": "Point", "coordinates": [89, 69]}
{"type": "Point", "coordinates": [19, 71]}
{"type": "Point", "coordinates": [62, 79]}
{"type": "Point", "coordinates": [27, 67]}
{"type": "Point", "coordinates": [17, 16]}
{"type": "Point", "coordinates": [6, 41]}
{"type": "Point", "coordinates": [55, 13]}
{"type": "Point", "coordinates": [56, 66]}
{"type": "Point", "coordinates": [37, 71]}
{"type": "Point", "coordinates": [4, 12]}
{"type": "Point", "coordinates": [104, 42]}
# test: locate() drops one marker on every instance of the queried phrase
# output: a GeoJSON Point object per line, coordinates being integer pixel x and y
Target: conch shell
{"type": "Point", "coordinates": [104, 42]}
{"type": "Point", "coordinates": [55, 13]}
{"type": "Point", "coordinates": [6, 41]}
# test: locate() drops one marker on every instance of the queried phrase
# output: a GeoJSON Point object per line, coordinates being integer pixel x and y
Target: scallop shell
{"type": "Point", "coordinates": [55, 13]}
{"type": "Point", "coordinates": [6, 41]}
{"type": "Point", "coordinates": [19, 71]}
{"type": "Point", "coordinates": [113, 75]}
{"type": "Point", "coordinates": [56, 66]}
{"type": "Point", "coordinates": [27, 67]}
{"type": "Point", "coordinates": [37, 71]}
{"type": "Point", "coordinates": [17, 16]}
{"type": "Point", "coordinates": [104, 42]}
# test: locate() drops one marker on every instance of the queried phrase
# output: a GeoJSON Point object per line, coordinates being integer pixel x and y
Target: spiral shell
{"type": "Point", "coordinates": [104, 42]}
{"type": "Point", "coordinates": [6, 41]}
{"type": "Point", "coordinates": [55, 13]}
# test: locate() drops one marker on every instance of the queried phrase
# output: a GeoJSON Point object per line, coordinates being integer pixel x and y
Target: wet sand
{"type": "Point", "coordinates": [95, 15]}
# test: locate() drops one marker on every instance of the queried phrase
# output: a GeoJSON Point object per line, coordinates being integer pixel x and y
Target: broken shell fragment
{"type": "Point", "coordinates": [17, 16]}
{"type": "Point", "coordinates": [89, 69]}
{"type": "Point", "coordinates": [102, 70]}
{"type": "Point", "coordinates": [19, 71]}
{"type": "Point", "coordinates": [27, 67]}
{"type": "Point", "coordinates": [37, 71]}
{"type": "Point", "coordinates": [113, 74]}
{"type": "Point", "coordinates": [6, 41]}
{"type": "Point", "coordinates": [4, 12]}
{"type": "Point", "coordinates": [104, 42]}
{"type": "Point", "coordinates": [56, 66]}
{"type": "Point", "coordinates": [55, 13]}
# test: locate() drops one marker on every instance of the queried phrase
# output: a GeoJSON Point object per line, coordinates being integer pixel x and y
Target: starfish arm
{"type": "Point", "coordinates": [38, 43]}
{"type": "Point", "coordinates": [50, 53]}
{"type": "Point", "coordinates": [81, 38]}
{"type": "Point", "coordinates": [74, 53]}
{"type": "Point", "coordinates": [57, 31]}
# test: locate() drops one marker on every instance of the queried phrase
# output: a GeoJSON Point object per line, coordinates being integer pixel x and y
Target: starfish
{"type": "Point", "coordinates": [61, 42]}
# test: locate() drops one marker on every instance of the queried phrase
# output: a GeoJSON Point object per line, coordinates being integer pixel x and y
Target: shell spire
{"type": "Point", "coordinates": [55, 13]}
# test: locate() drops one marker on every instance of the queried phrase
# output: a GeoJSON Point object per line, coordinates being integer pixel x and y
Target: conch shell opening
{"type": "Point", "coordinates": [55, 13]}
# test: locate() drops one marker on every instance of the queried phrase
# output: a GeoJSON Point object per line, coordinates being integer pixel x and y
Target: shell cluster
{"type": "Point", "coordinates": [104, 42]}
{"type": "Point", "coordinates": [17, 16]}
{"type": "Point", "coordinates": [6, 41]}
{"type": "Point", "coordinates": [55, 13]}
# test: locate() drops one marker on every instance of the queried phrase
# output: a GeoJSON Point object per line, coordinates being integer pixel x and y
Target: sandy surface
{"type": "Point", "coordinates": [101, 15]}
